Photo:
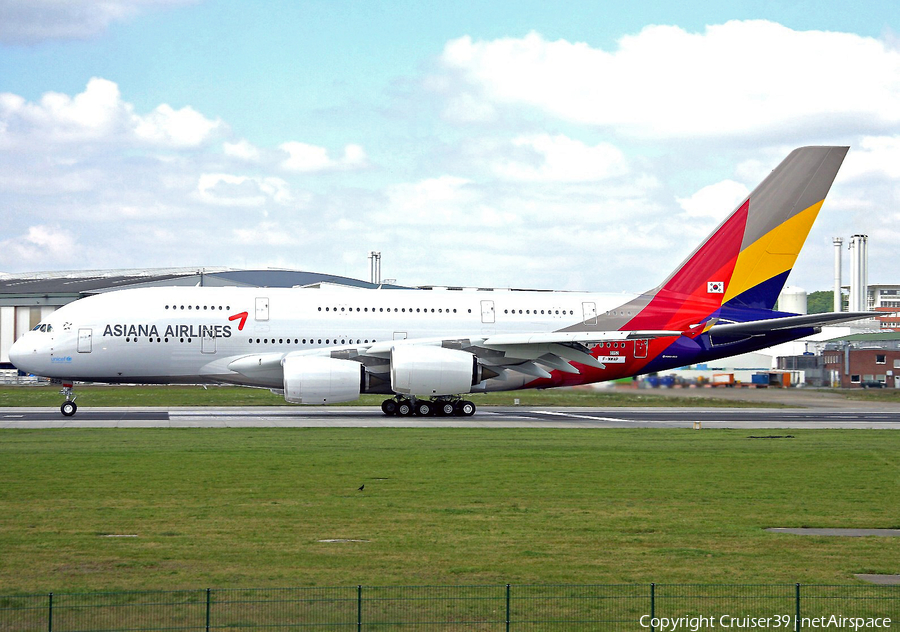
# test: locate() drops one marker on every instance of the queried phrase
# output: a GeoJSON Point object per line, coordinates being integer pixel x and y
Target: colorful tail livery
{"type": "Point", "coordinates": [742, 266]}
{"type": "Point", "coordinates": [721, 298]}
{"type": "Point", "coordinates": [426, 348]}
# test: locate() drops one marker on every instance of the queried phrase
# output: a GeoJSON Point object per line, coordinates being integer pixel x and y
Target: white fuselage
{"type": "Point", "coordinates": [189, 335]}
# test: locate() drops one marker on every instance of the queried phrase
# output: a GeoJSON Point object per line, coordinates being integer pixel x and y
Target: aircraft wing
{"type": "Point", "coordinates": [787, 322]}
{"type": "Point", "coordinates": [533, 354]}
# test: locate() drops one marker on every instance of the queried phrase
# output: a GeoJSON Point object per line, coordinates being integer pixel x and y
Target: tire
{"type": "Point", "coordinates": [445, 409]}
{"type": "Point", "coordinates": [465, 408]}
{"type": "Point", "coordinates": [424, 409]}
{"type": "Point", "coordinates": [68, 408]}
{"type": "Point", "coordinates": [404, 408]}
{"type": "Point", "coordinates": [389, 407]}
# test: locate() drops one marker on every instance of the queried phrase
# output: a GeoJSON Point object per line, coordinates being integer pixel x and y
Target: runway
{"type": "Point", "coordinates": [486, 417]}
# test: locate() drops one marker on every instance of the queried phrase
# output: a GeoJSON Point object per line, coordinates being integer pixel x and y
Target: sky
{"type": "Point", "coordinates": [528, 144]}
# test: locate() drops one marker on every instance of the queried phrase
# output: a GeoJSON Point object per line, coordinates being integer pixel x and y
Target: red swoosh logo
{"type": "Point", "coordinates": [242, 317]}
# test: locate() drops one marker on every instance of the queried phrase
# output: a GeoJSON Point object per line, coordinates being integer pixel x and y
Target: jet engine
{"type": "Point", "coordinates": [433, 371]}
{"type": "Point", "coordinates": [320, 380]}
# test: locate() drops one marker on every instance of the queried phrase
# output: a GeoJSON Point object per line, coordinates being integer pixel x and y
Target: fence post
{"type": "Point", "coordinates": [652, 606]}
{"type": "Point", "coordinates": [207, 609]}
{"type": "Point", "coordinates": [359, 606]}
{"type": "Point", "coordinates": [50, 615]}
{"type": "Point", "coordinates": [507, 608]}
{"type": "Point", "coordinates": [797, 625]}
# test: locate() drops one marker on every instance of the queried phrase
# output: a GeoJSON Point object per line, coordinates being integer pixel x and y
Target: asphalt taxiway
{"type": "Point", "coordinates": [486, 417]}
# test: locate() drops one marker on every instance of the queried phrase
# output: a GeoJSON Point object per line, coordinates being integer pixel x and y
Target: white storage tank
{"type": "Point", "coordinates": [792, 299]}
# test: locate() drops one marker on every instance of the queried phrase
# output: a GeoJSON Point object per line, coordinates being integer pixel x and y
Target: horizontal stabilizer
{"type": "Point", "coordinates": [788, 322]}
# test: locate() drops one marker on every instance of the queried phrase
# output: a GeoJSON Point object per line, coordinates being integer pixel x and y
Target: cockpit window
{"type": "Point", "coordinates": [43, 327]}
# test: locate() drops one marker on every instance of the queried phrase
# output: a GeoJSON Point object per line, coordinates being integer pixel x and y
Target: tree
{"type": "Point", "coordinates": [820, 302]}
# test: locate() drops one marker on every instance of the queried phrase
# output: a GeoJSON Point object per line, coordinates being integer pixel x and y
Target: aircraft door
{"type": "Point", "coordinates": [640, 348]}
{"type": "Point", "coordinates": [487, 311]}
{"type": "Point", "coordinates": [590, 313]}
{"type": "Point", "coordinates": [85, 340]}
{"type": "Point", "coordinates": [208, 343]}
{"type": "Point", "coordinates": [262, 308]}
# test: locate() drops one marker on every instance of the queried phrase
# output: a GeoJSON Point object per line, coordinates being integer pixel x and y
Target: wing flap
{"type": "Point", "coordinates": [583, 337]}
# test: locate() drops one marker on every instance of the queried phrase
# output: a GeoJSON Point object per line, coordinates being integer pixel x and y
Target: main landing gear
{"type": "Point", "coordinates": [68, 407]}
{"type": "Point", "coordinates": [441, 407]}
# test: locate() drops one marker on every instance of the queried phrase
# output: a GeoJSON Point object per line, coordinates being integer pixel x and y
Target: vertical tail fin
{"type": "Point", "coordinates": [745, 262]}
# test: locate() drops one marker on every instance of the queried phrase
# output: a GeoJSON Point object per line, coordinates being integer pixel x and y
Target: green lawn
{"type": "Point", "coordinates": [249, 507]}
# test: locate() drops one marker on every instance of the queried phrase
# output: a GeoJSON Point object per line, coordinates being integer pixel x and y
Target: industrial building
{"type": "Point", "coordinates": [867, 360]}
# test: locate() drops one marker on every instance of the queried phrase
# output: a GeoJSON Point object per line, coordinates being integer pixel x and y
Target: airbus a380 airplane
{"type": "Point", "coordinates": [427, 348]}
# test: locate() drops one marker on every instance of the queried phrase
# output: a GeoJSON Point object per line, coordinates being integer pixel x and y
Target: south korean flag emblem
{"type": "Point", "coordinates": [715, 287]}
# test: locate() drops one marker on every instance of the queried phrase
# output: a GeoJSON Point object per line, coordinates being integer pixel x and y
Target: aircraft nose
{"type": "Point", "coordinates": [19, 353]}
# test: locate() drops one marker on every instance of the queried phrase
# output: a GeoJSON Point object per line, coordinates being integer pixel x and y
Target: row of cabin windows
{"type": "Point", "coordinates": [388, 309]}
{"type": "Point", "coordinates": [549, 312]}
{"type": "Point", "coordinates": [440, 310]}
{"type": "Point", "coordinates": [328, 341]}
{"type": "Point", "coordinates": [135, 339]}
{"type": "Point", "coordinates": [198, 307]}
{"type": "Point", "coordinates": [312, 341]}
{"type": "Point", "coordinates": [280, 341]}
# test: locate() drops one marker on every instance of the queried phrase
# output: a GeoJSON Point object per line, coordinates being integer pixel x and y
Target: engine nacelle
{"type": "Point", "coordinates": [433, 371]}
{"type": "Point", "coordinates": [319, 380]}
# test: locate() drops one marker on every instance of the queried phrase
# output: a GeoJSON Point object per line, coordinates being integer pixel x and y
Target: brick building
{"type": "Point", "coordinates": [862, 360]}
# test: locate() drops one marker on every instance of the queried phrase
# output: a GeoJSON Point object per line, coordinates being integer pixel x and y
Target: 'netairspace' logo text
{"type": "Point", "coordinates": [784, 622]}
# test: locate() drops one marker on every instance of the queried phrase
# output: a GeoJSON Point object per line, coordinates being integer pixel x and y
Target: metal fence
{"type": "Point", "coordinates": [626, 607]}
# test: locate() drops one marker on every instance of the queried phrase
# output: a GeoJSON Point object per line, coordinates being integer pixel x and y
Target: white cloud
{"type": "Point", "coordinates": [269, 234]}
{"type": "Point", "coordinates": [436, 201]}
{"type": "Point", "coordinates": [874, 155]}
{"type": "Point", "coordinates": [166, 126]}
{"type": "Point", "coordinates": [469, 108]}
{"type": "Point", "coordinates": [98, 116]}
{"type": "Point", "coordinates": [243, 150]}
{"type": "Point", "coordinates": [223, 189]}
{"type": "Point", "coordinates": [33, 21]}
{"type": "Point", "coordinates": [42, 245]}
{"type": "Point", "coordinates": [716, 200]}
{"type": "Point", "coordinates": [303, 157]}
{"type": "Point", "coordinates": [735, 79]}
{"type": "Point", "coordinates": [562, 159]}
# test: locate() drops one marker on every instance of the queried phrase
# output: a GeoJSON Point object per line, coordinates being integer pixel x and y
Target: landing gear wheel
{"type": "Point", "coordinates": [424, 408]}
{"type": "Point", "coordinates": [389, 407]}
{"type": "Point", "coordinates": [68, 408]}
{"type": "Point", "coordinates": [445, 409]}
{"type": "Point", "coordinates": [404, 408]}
{"type": "Point", "coordinates": [465, 408]}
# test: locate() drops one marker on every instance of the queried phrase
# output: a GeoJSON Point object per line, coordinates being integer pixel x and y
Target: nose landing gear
{"type": "Point", "coordinates": [68, 407]}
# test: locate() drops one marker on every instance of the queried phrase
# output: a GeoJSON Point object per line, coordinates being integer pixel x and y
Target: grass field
{"type": "Point", "coordinates": [250, 508]}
